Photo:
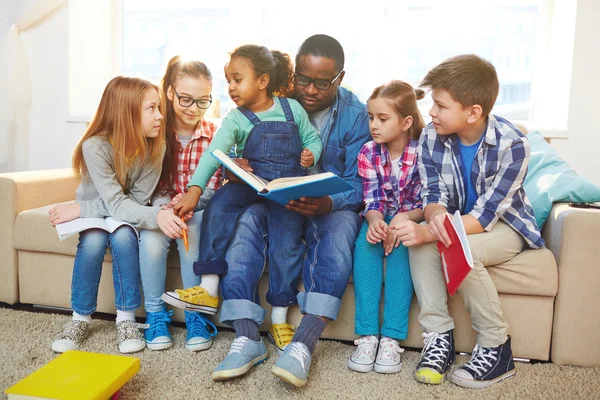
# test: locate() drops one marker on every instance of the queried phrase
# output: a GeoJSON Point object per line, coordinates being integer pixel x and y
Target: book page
{"type": "Point", "coordinates": [113, 224]}
{"type": "Point", "coordinates": [297, 180]}
{"type": "Point", "coordinates": [462, 236]}
{"type": "Point", "coordinates": [67, 229]}
{"type": "Point", "coordinates": [258, 183]}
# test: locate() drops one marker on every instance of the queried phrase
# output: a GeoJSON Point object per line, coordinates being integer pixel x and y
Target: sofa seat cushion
{"type": "Point", "coordinates": [33, 232]}
{"type": "Point", "coordinates": [532, 272]}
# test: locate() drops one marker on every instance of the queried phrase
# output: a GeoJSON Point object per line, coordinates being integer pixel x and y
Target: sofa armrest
{"type": "Point", "coordinates": [22, 191]}
{"type": "Point", "coordinates": [573, 234]}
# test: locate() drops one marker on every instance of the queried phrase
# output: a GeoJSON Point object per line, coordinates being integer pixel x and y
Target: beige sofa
{"type": "Point", "coordinates": [549, 296]}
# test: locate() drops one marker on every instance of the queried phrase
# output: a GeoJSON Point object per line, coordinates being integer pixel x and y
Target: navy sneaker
{"type": "Point", "coordinates": [436, 358]}
{"type": "Point", "coordinates": [487, 366]}
{"type": "Point", "coordinates": [200, 332]}
{"type": "Point", "coordinates": [157, 335]}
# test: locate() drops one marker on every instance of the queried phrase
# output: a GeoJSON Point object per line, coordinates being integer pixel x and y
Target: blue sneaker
{"type": "Point", "coordinates": [243, 355]}
{"type": "Point", "coordinates": [200, 332]}
{"type": "Point", "coordinates": [293, 365]}
{"type": "Point", "coordinates": [157, 335]}
{"type": "Point", "coordinates": [488, 365]}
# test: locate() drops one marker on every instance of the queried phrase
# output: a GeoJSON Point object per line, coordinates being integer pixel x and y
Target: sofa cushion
{"type": "Point", "coordinates": [550, 179]}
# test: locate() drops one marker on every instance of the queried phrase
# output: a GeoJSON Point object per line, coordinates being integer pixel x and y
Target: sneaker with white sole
{"type": "Point", "coordinates": [157, 335]}
{"type": "Point", "coordinates": [293, 365]}
{"type": "Point", "coordinates": [488, 365]}
{"type": "Point", "coordinates": [129, 336]}
{"type": "Point", "coordinates": [389, 357]}
{"type": "Point", "coordinates": [363, 358]}
{"type": "Point", "coordinates": [243, 354]}
{"type": "Point", "coordinates": [200, 332]}
{"type": "Point", "coordinates": [193, 299]}
{"type": "Point", "coordinates": [71, 336]}
{"type": "Point", "coordinates": [436, 358]}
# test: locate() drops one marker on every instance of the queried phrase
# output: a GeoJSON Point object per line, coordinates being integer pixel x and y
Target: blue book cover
{"type": "Point", "coordinates": [283, 190]}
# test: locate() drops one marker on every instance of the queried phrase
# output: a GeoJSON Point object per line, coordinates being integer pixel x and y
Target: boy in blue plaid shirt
{"type": "Point", "coordinates": [474, 162]}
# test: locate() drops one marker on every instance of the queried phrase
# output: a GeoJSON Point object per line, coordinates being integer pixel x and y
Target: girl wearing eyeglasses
{"type": "Point", "coordinates": [186, 95]}
{"type": "Point", "coordinates": [276, 137]}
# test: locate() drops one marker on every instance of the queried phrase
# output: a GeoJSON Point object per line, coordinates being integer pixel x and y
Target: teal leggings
{"type": "Point", "coordinates": [368, 284]}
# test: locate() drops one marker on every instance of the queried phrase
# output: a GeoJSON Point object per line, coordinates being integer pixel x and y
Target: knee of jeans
{"type": "Point", "coordinates": [94, 239]}
{"type": "Point", "coordinates": [253, 219]}
{"type": "Point", "coordinates": [124, 236]}
{"type": "Point", "coordinates": [154, 243]}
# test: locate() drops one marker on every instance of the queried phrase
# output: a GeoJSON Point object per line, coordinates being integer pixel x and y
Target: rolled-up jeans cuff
{"type": "Point", "coordinates": [216, 267]}
{"type": "Point", "coordinates": [319, 304]}
{"type": "Point", "coordinates": [232, 310]}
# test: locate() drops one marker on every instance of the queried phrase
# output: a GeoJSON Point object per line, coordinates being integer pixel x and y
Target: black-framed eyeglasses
{"type": "Point", "coordinates": [321, 84]}
{"type": "Point", "coordinates": [185, 101]}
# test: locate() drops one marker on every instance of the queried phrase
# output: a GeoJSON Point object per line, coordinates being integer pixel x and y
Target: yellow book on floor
{"type": "Point", "coordinates": [77, 375]}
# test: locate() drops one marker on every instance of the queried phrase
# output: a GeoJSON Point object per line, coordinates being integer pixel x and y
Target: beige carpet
{"type": "Point", "coordinates": [180, 374]}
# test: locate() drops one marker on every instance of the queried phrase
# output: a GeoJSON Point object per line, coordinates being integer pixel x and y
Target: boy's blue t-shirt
{"type": "Point", "coordinates": [467, 157]}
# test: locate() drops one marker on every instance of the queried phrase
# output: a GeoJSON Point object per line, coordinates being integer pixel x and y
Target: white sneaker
{"type": "Point", "coordinates": [389, 357]}
{"type": "Point", "coordinates": [71, 336]}
{"type": "Point", "coordinates": [130, 338]}
{"type": "Point", "coordinates": [363, 358]}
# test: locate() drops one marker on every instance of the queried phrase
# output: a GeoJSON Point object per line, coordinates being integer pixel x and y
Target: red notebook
{"type": "Point", "coordinates": [457, 261]}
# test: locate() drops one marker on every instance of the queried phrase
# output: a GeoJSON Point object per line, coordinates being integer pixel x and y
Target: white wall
{"type": "Point", "coordinates": [52, 138]}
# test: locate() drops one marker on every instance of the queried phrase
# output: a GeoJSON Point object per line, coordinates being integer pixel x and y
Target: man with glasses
{"type": "Point", "coordinates": [330, 229]}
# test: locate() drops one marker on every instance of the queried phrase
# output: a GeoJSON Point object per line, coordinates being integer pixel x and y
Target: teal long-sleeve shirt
{"type": "Point", "coordinates": [236, 128]}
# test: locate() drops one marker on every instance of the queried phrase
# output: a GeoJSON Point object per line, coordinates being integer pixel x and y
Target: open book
{"type": "Point", "coordinates": [282, 190]}
{"type": "Point", "coordinates": [109, 224]}
{"type": "Point", "coordinates": [457, 260]}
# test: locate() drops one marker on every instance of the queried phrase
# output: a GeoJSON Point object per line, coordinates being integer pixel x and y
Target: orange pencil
{"type": "Point", "coordinates": [185, 240]}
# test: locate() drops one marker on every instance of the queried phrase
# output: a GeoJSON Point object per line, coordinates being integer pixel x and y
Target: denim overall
{"type": "Point", "coordinates": [273, 151]}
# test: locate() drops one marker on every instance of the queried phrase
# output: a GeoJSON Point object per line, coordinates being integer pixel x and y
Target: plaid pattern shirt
{"type": "Point", "coordinates": [383, 191]}
{"type": "Point", "coordinates": [188, 157]}
{"type": "Point", "coordinates": [498, 172]}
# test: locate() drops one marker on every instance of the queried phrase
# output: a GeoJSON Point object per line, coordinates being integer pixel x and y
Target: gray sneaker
{"type": "Point", "coordinates": [131, 340]}
{"type": "Point", "coordinates": [243, 355]}
{"type": "Point", "coordinates": [294, 364]}
{"type": "Point", "coordinates": [71, 336]}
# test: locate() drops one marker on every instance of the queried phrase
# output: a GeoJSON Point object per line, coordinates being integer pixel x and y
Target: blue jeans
{"type": "Point", "coordinates": [154, 248]}
{"type": "Point", "coordinates": [286, 248]}
{"type": "Point", "coordinates": [368, 283]}
{"type": "Point", "coordinates": [88, 268]}
{"type": "Point", "coordinates": [327, 267]}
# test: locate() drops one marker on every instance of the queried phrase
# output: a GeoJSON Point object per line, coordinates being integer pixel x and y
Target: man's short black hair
{"type": "Point", "coordinates": [323, 46]}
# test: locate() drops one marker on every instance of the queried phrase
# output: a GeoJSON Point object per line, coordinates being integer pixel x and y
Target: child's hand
{"type": "Point", "coordinates": [391, 241]}
{"type": "Point", "coordinates": [409, 232]}
{"type": "Point", "coordinates": [437, 229]}
{"type": "Point", "coordinates": [306, 158]}
{"type": "Point", "coordinates": [170, 224]}
{"type": "Point", "coordinates": [398, 219]}
{"type": "Point", "coordinates": [175, 200]}
{"type": "Point", "coordinates": [188, 202]}
{"type": "Point", "coordinates": [377, 231]}
{"type": "Point", "coordinates": [64, 213]}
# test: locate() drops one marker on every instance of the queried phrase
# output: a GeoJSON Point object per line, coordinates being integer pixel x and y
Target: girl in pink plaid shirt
{"type": "Point", "coordinates": [186, 95]}
{"type": "Point", "coordinates": [391, 188]}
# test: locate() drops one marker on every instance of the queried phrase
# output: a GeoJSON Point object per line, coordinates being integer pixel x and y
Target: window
{"type": "Point", "coordinates": [528, 41]}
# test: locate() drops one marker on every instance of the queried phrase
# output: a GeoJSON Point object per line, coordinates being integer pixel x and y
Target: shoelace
{"type": "Point", "coordinates": [479, 359]}
{"type": "Point", "coordinates": [387, 348]}
{"type": "Point", "coordinates": [299, 352]}
{"type": "Point", "coordinates": [196, 321]}
{"type": "Point", "coordinates": [189, 293]}
{"type": "Point", "coordinates": [435, 349]}
{"type": "Point", "coordinates": [158, 322]}
{"type": "Point", "coordinates": [237, 344]}
{"type": "Point", "coordinates": [366, 345]}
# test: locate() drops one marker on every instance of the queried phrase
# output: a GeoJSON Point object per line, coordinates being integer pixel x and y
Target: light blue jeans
{"type": "Point", "coordinates": [88, 269]}
{"type": "Point", "coordinates": [327, 267]}
{"type": "Point", "coordinates": [154, 247]}
{"type": "Point", "coordinates": [368, 284]}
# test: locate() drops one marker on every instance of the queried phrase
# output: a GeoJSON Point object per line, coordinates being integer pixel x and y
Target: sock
{"type": "Point", "coordinates": [210, 283]}
{"type": "Point", "coordinates": [84, 318]}
{"type": "Point", "coordinates": [125, 316]}
{"type": "Point", "coordinates": [246, 327]}
{"type": "Point", "coordinates": [309, 331]}
{"type": "Point", "coordinates": [279, 315]}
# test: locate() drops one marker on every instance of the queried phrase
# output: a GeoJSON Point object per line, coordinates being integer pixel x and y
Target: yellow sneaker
{"type": "Point", "coordinates": [281, 335]}
{"type": "Point", "coordinates": [194, 299]}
